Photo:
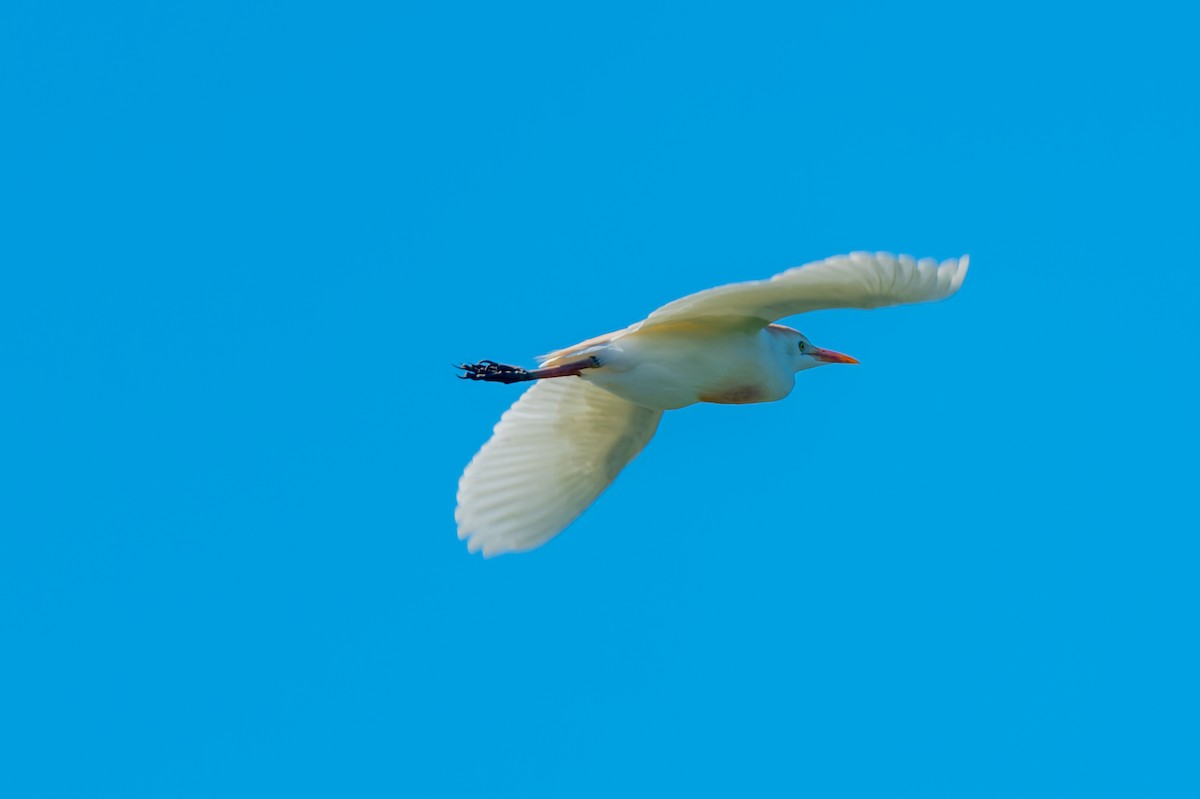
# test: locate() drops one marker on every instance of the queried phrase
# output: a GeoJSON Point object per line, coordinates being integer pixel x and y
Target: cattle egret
{"type": "Point", "coordinates": [565, 440]}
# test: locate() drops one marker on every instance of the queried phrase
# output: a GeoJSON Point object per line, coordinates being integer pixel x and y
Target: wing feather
{"type": "Point", "coordinates": [857, 280]}
{"type": "Point", "coordinates": [552, 453]}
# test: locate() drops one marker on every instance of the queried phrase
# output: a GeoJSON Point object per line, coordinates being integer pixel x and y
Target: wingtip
{"type": "Point", "coordinates": [963, 264]}
{"type": "Point", "coordinates": [480, 544]}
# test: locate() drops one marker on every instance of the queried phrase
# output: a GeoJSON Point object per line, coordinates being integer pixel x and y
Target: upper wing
{"type": "Point", "coordinates": [857, 280]}
{"type": "Point", "coordinates": [551, 455]}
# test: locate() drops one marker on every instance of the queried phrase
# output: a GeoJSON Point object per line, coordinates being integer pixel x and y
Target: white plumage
{"type": "Point", "coordinates": [596, 404]}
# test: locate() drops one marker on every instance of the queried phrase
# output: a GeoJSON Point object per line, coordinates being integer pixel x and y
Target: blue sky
{"type": "Point", "coordinates": [241, 245]}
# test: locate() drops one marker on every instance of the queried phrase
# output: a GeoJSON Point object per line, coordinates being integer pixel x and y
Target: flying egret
{"type": "Point", "coordinates": [565, 440]}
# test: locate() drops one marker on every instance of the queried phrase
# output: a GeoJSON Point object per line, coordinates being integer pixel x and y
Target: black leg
{"type": "Point", "coordinates": [492, 372]}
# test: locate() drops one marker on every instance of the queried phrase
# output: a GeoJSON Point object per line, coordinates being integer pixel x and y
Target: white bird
{"type": "Point", "coordinates": [565, 440]}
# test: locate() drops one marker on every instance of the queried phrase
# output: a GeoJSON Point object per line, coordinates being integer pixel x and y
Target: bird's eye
{"type": "Point", "coordinates": [802, 346]}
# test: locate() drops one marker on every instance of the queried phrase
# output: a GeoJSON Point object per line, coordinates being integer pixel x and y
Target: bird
{"type": "Point", "coordinates": [594, 405]}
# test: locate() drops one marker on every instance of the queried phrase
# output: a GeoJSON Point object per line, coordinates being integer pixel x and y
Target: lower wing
{"type": "Point", "coordinates": [552, 453]}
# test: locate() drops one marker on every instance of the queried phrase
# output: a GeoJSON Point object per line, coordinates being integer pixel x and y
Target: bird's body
{"type": "Point", "coordinates": [674, 366]}
{"type": "Point", "coordinates": [597, 403]}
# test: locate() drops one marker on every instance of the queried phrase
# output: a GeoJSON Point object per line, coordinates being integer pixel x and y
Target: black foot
{"type": "Point", "coordinates": [493, 372]}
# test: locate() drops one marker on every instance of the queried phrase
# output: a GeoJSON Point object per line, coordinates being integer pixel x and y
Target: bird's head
{"type": "Point", "coordinates": [806, 355]}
